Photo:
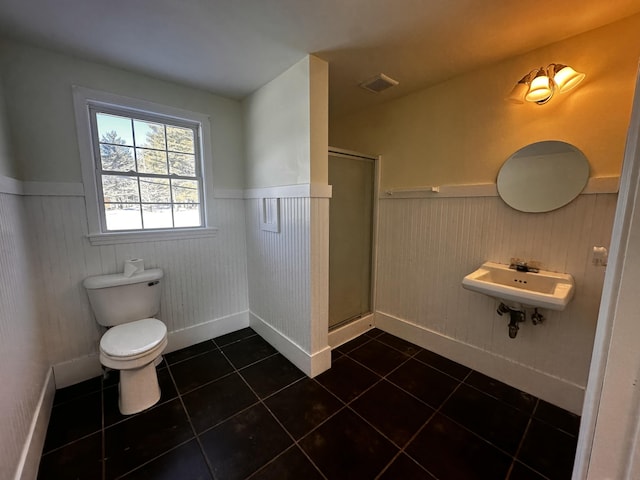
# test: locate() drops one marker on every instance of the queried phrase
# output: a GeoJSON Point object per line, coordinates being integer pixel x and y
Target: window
{"type": "Point", "coordinates": [148, 171]}
{"type": "Point", "coordinates": [143, 167]}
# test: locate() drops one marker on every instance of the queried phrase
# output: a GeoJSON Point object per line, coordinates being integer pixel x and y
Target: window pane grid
{"type": "Point", "coordinates": [167, 174]}
{"type": "Point", "coordinates": [173, 220]}
{"type": "Point", "coordinates": [132, 173]}
{"type": "Point", "coordinates": [135, 155]}
{"type": "Point", "coordinates": [137, 146]}
{"type": "Point", "coordinates": [152, 203]}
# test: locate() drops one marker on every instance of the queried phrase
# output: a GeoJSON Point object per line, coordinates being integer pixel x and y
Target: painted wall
{"type": "Point", "coordinates": [319, 120]}
{"type": "Point", "coordinates": [286, 124]}
{"type": "Point", "coordinates": [288, 270]}
{"type": "Point", "coordinates": [426, 246]}
{"type": "Point", "coordinates": [43, 133]}
{"type": "Point", "coordinates": [23, 359]}
{"type": "Point", "coordinates": [7, 165]}
{"type": "Point", "coordinates": [460, 132]}
{"type": "Point", "coordinates": [205, 285]}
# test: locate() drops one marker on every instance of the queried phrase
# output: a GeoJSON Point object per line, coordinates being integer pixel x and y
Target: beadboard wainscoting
{"type": "Point", "coordinates": [288, 280]}
{"type": "Point", "coordinates": [427, 245]}
{"type": "Point", "coordinates": [204, 288]}
{"type": "Point", "coordinates": [27, 395]}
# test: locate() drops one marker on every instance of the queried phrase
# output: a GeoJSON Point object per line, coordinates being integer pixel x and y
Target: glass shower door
{"type": "Point", "coordinates": [350, 237]}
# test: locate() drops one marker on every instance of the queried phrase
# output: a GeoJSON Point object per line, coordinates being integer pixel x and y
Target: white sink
{"type": "Point", "coordinates": [542, 289]}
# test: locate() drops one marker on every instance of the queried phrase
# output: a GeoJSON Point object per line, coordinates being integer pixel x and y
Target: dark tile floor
{"type": "Point", "coordinates": [234, 408]}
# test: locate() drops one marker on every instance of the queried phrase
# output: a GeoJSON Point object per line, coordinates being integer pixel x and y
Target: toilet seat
{"type": "Point", "coordinates": [132, 340]}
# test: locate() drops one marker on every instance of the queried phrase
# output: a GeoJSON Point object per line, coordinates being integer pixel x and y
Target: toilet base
{"type": "Point", "coordinates": [138, 389]}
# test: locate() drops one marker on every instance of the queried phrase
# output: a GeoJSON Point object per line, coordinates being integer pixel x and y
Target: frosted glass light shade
{"type": "Point", "coordinates": [540, 89]}
{"type": "Point", "coordinates": [539, 85]}
{"type": "Point", "coordinates": [567, 78]}
{"type": "Point", "coordinates": [518, 93]}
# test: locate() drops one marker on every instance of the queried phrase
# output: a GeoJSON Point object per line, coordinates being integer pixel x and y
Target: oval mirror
{"type": "Point", "coordinates": [543, 176]}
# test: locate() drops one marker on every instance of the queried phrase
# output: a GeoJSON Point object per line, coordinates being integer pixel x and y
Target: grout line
{"type": "Point", "coordinates": [369, 339]}
{"type": "Point", "coordinates": [380, 380]}
{"type": "Point", "coordinates": [195, 355]}
{"type": "Point", "coordinates": [254, 334]}
{"type": "Point", "coordinates": [419, 431]}
{"type": "Point", "coordinates": [208, 429]}
{"type": "Point", "coordinates": [264, 405]}
{"type": "Point", "coordinates": [273, 394]}
{"type": "Point", "coordinates": [517, 452]}
{"type": "Point", "coordinates": [466, 375]}
{"type": "Point", "coordinates": [503, 402]}
{"type": "Point", "coordinates": [193, 429]}
{"type": "Point", "coordinates": [77, 397]}
{"type": "Point", "coordinates": [103, 436]}
{"type": "Point", "coordinates": [382, 376]}
{"type": "Point", "coordinates": [476, 434]}
{"type": "Point", "coordinates": [138, 467]}
{"type": "Point", "coordinates": [294, 445]}
{"type": "Point", "coordinates": [438, 410]}
{"type": "Point", "coordinates": [344, 405]}
{"type": "Point", "coordinates": [178, 396]}
{"type": "Point", "coordinates": [396, 456]}
{"type": "Point", "coordinates": [208, 382]}
{"type": "Point", "coordinates": [252, 363]}
{"type": "Point", "coordinates": [84, 437]}
{"type": "Point", "coordinates": [135, 415]}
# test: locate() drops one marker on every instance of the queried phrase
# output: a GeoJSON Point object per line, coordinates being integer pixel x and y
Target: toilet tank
{"type": "Point", "coordinates": [116, 299]}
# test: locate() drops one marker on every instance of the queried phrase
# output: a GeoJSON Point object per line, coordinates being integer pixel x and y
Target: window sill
{"type": "Point", "coordinates": [150, 236]}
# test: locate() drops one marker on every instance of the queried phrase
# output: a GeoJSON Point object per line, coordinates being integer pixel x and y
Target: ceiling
{"type": "Point", "coordinates": [232, 47]}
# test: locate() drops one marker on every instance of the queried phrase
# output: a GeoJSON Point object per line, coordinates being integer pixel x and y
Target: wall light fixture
{"type": "Point", "coordinates": [539, 85]}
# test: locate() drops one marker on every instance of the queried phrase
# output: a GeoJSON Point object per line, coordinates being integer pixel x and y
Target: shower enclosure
{"type": "Point", "coordinates": [351, 227]}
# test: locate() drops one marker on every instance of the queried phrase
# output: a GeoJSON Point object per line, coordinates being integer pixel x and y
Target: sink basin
{"type": "Point", "coordinates": [542, 290]}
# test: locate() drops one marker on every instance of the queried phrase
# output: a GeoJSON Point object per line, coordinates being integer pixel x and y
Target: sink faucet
{"type": "Point", "coordinates": [522, 266]}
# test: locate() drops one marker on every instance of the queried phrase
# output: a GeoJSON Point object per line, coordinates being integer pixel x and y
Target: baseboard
{"type": "Point", "coordinates": [77, 370]}
{"type": "Point", "coordinates": [552, 389]}
{"type": "Point", "coordinates": [32, 450]}
{"type": "Point", "coordinates": [84, 368]}
{"type": "Point", "coordinates": [350, 331]}
{"type": "Point", "coordinates": [311, 364]}
{"type": "Point", "coordinates": [204, 331]}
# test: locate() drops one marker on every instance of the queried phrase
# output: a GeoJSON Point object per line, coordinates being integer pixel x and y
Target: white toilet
{"type": "Point", "coordinates": [134, 342]}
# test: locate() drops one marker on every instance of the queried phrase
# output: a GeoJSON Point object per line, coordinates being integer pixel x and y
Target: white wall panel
{"type": "Point", "coordinates": [205, 278]}
{"type": "Point", "coordinates": [279, 269]}
{"type": "Point", "coordinates": [288, 280]}
{"type": "Point", "coordinates": [23, 359]}
{"type": "Point", "coordinates": [319, 271]}
{"type": "Point", "coordinates": [426, 247]}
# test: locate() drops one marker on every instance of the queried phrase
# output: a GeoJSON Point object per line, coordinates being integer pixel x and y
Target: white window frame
{"type": "Point", "coordinates": [83, 99]}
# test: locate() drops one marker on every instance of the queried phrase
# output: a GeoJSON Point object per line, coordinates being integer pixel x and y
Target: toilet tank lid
{"type": "Point", "coordinates": [118, 279]}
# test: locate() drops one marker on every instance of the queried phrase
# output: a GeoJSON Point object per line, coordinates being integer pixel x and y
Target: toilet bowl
{"type": "Point", "coordinates": [134, 349]}
{"type": "Point", "coordinates": [134, 341]}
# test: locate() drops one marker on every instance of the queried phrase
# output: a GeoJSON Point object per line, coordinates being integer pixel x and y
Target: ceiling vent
{"type": "Point", "coordinates": [379, 83]}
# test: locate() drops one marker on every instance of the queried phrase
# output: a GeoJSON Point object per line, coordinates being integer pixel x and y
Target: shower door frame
{"type": "Point", "coordinates": [352, 328]}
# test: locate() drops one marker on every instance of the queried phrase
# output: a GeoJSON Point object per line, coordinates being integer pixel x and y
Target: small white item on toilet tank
{"type": "Point", "coordinates": [133, 266]}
